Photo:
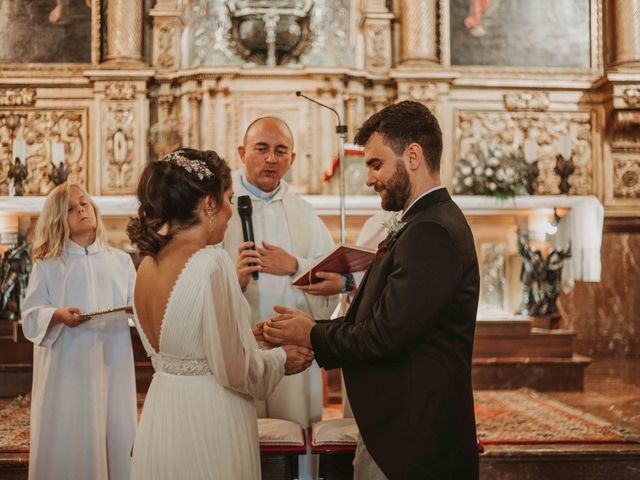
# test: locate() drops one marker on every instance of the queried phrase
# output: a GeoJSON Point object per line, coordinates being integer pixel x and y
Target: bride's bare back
{"type": "Point", "coordinates": [154, 283]}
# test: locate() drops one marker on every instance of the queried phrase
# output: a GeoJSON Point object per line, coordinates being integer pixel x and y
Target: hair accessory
{"type": "Point", "coordinates": [192, 166]}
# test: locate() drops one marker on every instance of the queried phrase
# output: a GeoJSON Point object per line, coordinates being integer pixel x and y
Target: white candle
{"type": "Point", "coordinates": [19, 150]}
{"type": "Point", "coordinates": [57, 153]}
{"type": "Point", "coordinates": [530, 150]}
{"type": "Point", "coordinates": [565, 146]}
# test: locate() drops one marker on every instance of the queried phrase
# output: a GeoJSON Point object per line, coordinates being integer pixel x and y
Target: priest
{"type": "Point", "coordinates": [289, 238]}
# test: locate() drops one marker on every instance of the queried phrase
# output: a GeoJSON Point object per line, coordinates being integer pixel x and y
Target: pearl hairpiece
{"type": "Point", "coordinates": [192, 166]}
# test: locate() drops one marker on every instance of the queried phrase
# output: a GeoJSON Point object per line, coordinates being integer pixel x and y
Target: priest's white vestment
{"type": "Point", "coordinates": [289, 222]}
{"type": "Point", "coordinates": [83, 400]}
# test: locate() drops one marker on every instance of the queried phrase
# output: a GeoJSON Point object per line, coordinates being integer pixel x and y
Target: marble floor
{"type": "Point", "coordinates": [611, 391]}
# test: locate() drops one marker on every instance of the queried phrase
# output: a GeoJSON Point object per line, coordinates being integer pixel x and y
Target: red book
{"type": "Point", "coordinates": [343, 259]}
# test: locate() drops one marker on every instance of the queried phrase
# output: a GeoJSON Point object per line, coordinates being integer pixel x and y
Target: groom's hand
{"type": "Point", "coordinates": [289, 326]}
{"type": "Point", "coordinates": [298, 359]}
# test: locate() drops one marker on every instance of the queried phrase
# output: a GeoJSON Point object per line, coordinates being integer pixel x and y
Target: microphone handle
{"type": "Point", "coordinates": [247, 233]}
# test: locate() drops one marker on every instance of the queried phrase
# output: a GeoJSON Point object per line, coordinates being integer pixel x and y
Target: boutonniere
{"type": "Point", "coordinates": [394, 227]}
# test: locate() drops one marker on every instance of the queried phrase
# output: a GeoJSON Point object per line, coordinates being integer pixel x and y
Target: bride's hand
{"type": "Point", "coordinates": [298, 359]}
{"type": "Point", "coordinates": [258, 333]}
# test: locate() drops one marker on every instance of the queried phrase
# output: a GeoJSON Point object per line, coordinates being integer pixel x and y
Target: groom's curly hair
{"type": "Point", "coordinates": [404, 123]}
{"type": "Point", "coordinates": [169, 196]}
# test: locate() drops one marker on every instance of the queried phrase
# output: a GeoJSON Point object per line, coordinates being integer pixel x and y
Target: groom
{"type": "Point", "coordinates": [405, 343]}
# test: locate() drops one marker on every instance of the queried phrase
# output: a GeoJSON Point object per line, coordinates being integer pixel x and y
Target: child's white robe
{"type": "Point", "coordinates": [83, 400]}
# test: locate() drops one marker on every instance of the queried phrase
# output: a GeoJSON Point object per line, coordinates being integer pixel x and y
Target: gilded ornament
{"type": "Point", "coordinates": [627, 178]}
{"type": "Point", "coordinates": [165, 55]}
{"type": "Point", "coordinates": [508, 131]}
{"type": "Point", "coordinates": [120, 91]}
{"type": "Point", "coordinates": [526, 101]}
{"type": "Point", "coordinates": [423, 92]}
{"type": "Point", "coordinates": [119, 133]}
{"type": "Point", "coordinates": [40, 129]}
{"type": "Point", "coordinates": [17, 97]}
{"type": "Point", "coordinates": [631, 97]}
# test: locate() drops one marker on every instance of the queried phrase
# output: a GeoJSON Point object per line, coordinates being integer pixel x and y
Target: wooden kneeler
{"type": "Point", "coordinates": [281, 442]}
{"type": "Point", "coordinates": [334, 441]}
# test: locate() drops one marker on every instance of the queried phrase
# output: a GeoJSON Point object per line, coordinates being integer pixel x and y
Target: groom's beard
{"type": "Point", "coordinates": [397, 188]}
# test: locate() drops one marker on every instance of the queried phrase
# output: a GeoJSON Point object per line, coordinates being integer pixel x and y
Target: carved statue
{"type": "Point", "coordinates": [540, 278]}
{"type": "Point", "coordinates": [18, 173]}
{"type": "Point", "coordinates": [530, 276]}
{"type": "Point", "coordinates": [15, 269]}
{"type": "Point", "coordinates": [552, 280]}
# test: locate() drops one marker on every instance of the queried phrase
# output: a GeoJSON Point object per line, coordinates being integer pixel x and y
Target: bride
{"type": "Point", "coordinates": [198, 419]}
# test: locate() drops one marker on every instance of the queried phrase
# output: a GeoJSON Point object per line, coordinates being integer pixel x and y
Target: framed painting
{"type": "Point", "coordinates": [549, 36]}
{"type": "Point", "coordinates": [49, 32]}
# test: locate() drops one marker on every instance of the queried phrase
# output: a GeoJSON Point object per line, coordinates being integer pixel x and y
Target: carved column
{"type": "Point", "coordinates": [419, 32]}
{"type": "Point", "coordinates": [625, 26]}
{"type": "Point", "coordinates": [120, 133]}
{"type": "Point", "coordinates": [377, 36]}
{"type": "Point", "coordinates": [379, 98]}
{"type": "Point", "coordinates": [124, 31]}
{"type": "Point", "coordinates": [168, 25]}
{"type": "Point", "coordinates": [166, 104]}
{"type": "Point", "coordinates": [194, 119]}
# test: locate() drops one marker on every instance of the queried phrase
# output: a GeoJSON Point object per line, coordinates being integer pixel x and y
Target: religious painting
{"type": "Point", "coordinates": [521, 33]}
{"type": "Point", "coordinates": [45, 31]}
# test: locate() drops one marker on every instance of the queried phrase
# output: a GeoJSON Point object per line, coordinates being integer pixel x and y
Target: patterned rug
{"type": "Point", "coordinates": [512, 417]}
{"type": "Point", "coordinates": [14, 424]}
{"type": "Point", "coordinates": [504, 417]}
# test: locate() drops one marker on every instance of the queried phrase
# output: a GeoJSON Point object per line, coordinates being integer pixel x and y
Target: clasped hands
{"type": "Point", "coordinates": [291, 329]}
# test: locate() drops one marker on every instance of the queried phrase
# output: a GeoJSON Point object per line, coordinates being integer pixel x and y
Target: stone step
{"type": "Point", "coordinates": [513, 327]}
{"type": "Point", "coordinates": [540, 343]}
{"type": "Point", "coordinates": [545, 374]}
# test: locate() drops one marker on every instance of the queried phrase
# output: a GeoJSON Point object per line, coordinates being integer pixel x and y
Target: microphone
{"type": "Point", "coordinates": [340, 128]}
{"type": "Point", "coordinates": [341, 131]}
{"type": "Point", "coordinates": [245, 210]}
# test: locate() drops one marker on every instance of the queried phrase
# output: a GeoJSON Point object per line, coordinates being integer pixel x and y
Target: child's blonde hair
{"type": "Point", "coordinates": [52, 228]}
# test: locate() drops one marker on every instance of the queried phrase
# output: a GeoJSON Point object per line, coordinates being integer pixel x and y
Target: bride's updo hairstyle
{"type": "Point", "coordinates": [170, 191]}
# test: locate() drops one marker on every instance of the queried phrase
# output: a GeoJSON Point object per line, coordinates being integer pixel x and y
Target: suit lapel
{"type": "Point", "coordinates": [437, 196]}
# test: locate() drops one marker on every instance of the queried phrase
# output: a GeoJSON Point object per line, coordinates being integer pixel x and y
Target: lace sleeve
{"type": "Point", "coordinates": [231, 349]}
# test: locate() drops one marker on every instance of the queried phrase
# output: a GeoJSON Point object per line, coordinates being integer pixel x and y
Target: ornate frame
{"type": "Point", "coordinates": [597, 52]}
{"type": "Point", "coordinates": [52, 69]}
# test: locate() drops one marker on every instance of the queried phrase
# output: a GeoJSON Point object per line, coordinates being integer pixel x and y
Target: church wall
{"type": "Point", "coordinates": [605, 315]}
{"type": "Point", "coordinates": [142, 94]}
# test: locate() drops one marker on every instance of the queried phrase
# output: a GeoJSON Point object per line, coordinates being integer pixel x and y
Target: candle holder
{"type": "Point", "coordinates": [59, 173]}
{"type": "Point", "coordinates": [18, 173]}
{"type": "Point", "coordinates": [531, 177]}
{"type": "Point", "coordinates": [564, 168]}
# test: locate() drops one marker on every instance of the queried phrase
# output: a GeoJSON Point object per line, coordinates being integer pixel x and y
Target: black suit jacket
{"type": "Point", "coordinates": [405, 347]}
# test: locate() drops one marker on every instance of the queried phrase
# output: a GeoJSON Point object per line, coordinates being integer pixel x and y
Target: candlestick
{"type": "Point", "coordinates": [57, 153]}
{"type": "Point", "coordinates": [19, 150]}
{"type": "Point", "coordinates": [565, 146]}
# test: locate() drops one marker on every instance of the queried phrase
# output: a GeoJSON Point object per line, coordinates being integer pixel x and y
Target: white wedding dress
{"type": "Point", "coordinates": [198, 420]}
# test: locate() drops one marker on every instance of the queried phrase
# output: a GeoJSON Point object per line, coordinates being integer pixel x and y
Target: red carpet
{"type": "Point", "coordinates": [504, 417]}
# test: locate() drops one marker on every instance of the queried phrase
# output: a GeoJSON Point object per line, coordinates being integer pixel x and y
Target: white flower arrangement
{"type": "Point", "coordinates": [489, 170]}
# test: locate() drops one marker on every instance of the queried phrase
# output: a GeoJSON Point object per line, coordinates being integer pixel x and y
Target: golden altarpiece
{"type": "Point", "coordinates": [170, 73]}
